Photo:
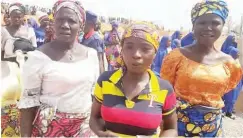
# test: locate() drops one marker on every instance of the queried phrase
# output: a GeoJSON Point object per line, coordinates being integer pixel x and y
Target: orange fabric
{"type": "Point", "coordinates": [197, 83]}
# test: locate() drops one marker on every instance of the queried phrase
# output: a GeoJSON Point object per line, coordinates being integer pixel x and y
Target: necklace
{"type": "Point", "coordinates": [70, 55]}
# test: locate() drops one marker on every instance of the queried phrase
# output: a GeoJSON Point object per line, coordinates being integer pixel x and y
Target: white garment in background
{"type": "Point", "coordinates": [169, 49]}
{"type": "Point", "coordinates": [7, 40]}
{"type": "Point", "coordinates": [65, 86]}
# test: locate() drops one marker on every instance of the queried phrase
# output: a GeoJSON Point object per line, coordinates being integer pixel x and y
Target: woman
{"type": "Point", "coordinates": [228, 44]}
{"type": "Point", "coordinates": [33, 23]}
{"type": "Point", "coordinates": [201, 74]}
{"type": "Point", "coordinates": [187, 40]}
{"type": "Point", "coordinates": [112, 41]}
{"type": "Point", "coordinates": [164, 49]}
{"type": "Point", "coordinates": [40, 31]}
{"type": "Point", "coordinates": [56, 101]}
{"type": "Point", "coordinates": [10, 92]}
{"type": "Point", "coordinates": [175, 38]}
{"type": "Point", "coordinates": [50, 33]}
{"type": "Point", "coordinates": [16, 30]}
{"type": "Point", "coordinates": [230, 47]}
{"type": "Point", "coordinates": [6, 19]}
{"type": "Point", "coordinates": [124, 97]}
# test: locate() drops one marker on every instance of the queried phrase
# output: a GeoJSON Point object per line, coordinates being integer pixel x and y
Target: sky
{"type": "Point", "coordinates": [173, 14]}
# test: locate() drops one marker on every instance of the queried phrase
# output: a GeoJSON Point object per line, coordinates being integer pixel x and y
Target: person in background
{"type": "Point", "coordinates": [59, 79]}
{"type": "Point", "coordinates": [92, 39]}
{"type": "Point", "coordinates": [125, 98]}
{"type": "Point", "coordinates": [229, 44]}
{"type": "Point", "coordinates": [201, 74]}
{"type": "Point", "coordinates": [230, 47]}
{"type": "Point", "coordinates": [49, 33]}
{"type": "Point", "coordinates": [11, 88]}
{"type": "Point", "coordinates": [175, 38]}
{"type": "Point", "coordinates": [15, 31]}
{"type": "Point", "coordinates": [6, 19]}
{"type": "Point", "coordinates": [98, 29]}
{"type": "Point", "coordinates": [40, 31]}
{"type": "Point", "coordinates": [187, 40]}
{"type": "Point", "coordinates": [164, 49]}
{"type": "Point", "coordinates": [32, 23]}
{"type": "Point", "coordinates": [112, 41]}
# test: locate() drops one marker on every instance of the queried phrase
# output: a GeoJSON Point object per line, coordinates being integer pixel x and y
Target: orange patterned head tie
{"type": "Point", "coordinates": [144, 31]}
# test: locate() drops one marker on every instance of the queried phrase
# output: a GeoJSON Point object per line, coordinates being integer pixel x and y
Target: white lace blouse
{"type": "Point", "coordinates": [65, 86]}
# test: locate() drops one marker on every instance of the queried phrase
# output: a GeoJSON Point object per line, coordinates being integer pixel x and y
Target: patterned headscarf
{"type": "Point", "coordinates": [218, 7]}
{"type": "Point", "coordinates": [16, 6]}
{"type": "Point", "coordinates": [144, 31]}
{"type": "Point", "coordinates": [76, 6]}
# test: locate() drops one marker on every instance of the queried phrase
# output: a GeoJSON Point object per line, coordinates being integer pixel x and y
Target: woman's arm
{"type": "Point", "coordinates": [26, 120]}
{"type": "Point", "coordinates": [32, 37]}
{"type": "Point", "coordinates": [96, 122]}
{"type": "Point", "coordinates": [169, 126]}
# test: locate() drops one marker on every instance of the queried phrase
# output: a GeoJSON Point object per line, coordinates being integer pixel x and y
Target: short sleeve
{"type": "Point", "coordinates": [235, 71]}
{"type": "Point", "coordinates": [98, 94]}
{"type": "Point", "coordinates": [32, 80]}
{"type": "Point", "coordinates": [170, 66]}
{"type": "Point", "coordinates": [169, 105]}
{"type": "Point", "coordinates": [98, 90]}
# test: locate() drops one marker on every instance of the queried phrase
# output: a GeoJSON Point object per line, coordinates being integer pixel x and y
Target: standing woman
{"type": "Point", "coordinates": [16, 30]}
{"type": "Point", "coordinates": [230, 47]}
{"type": "Point", "coordinates": [175, 38]}
{"type": "Point", "coordinates": [112, 41]}
{"type": "Point", "coordinates": [229, 44]}
{"type": "Point", "coordinates": [164, 49]}
{"type": "Point", "coordinates": [58, 80]}
{"type": "Point", "coordinates": [133, 101]}
{"type": "Point", "coordinates": [201, 74]}
{"type": "Point", "coordinates": [40, 31]}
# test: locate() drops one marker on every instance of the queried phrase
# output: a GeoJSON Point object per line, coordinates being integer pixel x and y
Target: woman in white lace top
{"type": "Point", "coordinates": [58, 80]}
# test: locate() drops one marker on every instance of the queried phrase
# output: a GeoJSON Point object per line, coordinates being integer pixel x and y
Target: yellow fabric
{"type": "Point", "coordinates": [144, 31]}
{"type": "Point", "coordinates": [197, 83]}
{"type": "Point", "coordinates": [111, 89]}
{"type": "Point", "coordinates": [11, 88]}
{"type": "Point", "coordinates": [123, 135]}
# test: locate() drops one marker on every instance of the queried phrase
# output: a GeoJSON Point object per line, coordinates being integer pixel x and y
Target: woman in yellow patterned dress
{"type": "Point", "coordinates": [201, 74]}
{"type": "Point", "coordinates": [10, 93]}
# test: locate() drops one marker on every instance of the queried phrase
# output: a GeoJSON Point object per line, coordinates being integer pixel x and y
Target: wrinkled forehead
{"type": "Point", "coordinates": [66, 12]}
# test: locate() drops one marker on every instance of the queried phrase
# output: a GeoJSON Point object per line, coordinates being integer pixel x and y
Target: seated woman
{"type": "Point", "coordinates": [201, 74]}
{"type": "Point", "coordinates": [132, 100]}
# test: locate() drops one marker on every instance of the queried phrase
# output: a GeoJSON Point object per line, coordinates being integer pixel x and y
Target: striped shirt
{"type": "Point", "coordinates": [140, 116]}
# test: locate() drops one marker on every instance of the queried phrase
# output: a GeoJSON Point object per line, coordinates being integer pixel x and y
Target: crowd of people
{"type": "Point", "coordinates": [62, 77]}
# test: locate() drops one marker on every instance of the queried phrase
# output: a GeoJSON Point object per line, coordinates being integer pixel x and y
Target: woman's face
{"type": "Point", "coordinates": [45, 22]}
{"type": "Point", "coordinates": [6, 20]}
{"type": "Point", "coordinates": [137, 54]}
{"type": "Point", "coordinates": [16, 17]}
{"type": "Point", "coordinates": [207, 29]}
{"type": "Point", "coordinates": [66, 25]}
{"type": "Point", "coordinates": [168, 43]}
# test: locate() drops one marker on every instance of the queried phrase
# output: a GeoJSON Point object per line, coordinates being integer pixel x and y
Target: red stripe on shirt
{"type": "Point", "coordinates": [130, 117]}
